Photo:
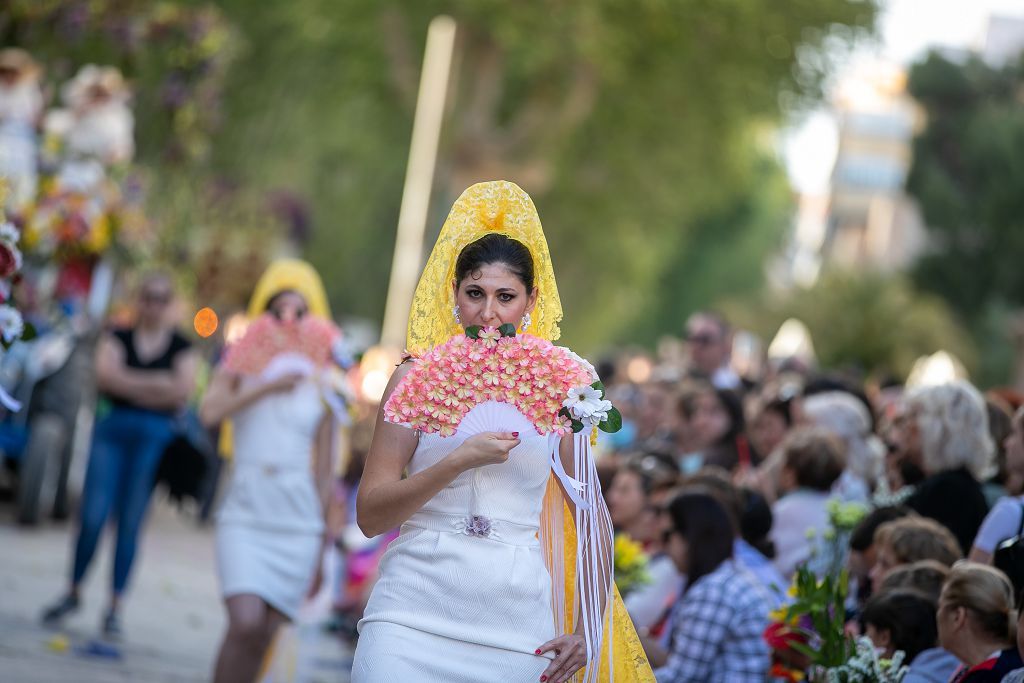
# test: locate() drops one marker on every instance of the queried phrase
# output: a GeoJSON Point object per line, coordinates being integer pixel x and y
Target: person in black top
{"type": "Point", "coordinates": [147, 373]}
{"type": "Point", "coordinates": [976, 622]}
{"type": "Point", "coordinates": [946, 434]}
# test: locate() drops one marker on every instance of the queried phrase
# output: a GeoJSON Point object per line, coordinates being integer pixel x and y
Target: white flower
{"type": "Point", "coordinates": [585, 403]}
{"type": "Point", "coordinates": [600, 413]}
{"type": "Point", "coordinates": [9, 233]}
{"type": "Point", "coordinates": [11, 323]}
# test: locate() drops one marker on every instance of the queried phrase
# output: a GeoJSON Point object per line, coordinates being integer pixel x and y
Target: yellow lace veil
{"type": "Point", "coordinates": [281, 275]}
{"type": "Point", "coordinates": [503, 207]}
{"type": "Point", "coordinates": [494, 207]}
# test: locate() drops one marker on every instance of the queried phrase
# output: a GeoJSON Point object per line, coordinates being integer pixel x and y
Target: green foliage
{"type": "Point", "coordinates": [626, 122]}
{"type": "Point", "coordinates": [967, 174]}
{"type": "Point", "coordinates": [630, 124]}
{"type": "Point", "coordinates": [867, 321]}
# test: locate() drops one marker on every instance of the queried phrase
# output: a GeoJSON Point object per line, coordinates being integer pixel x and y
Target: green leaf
{"type": "Point", "coordinates": [805, 650]}
{"type": "Point", "coordinates": [29, 333]}
{"type": "Point", "coordinates": [613, 423]}
{"type": "Point", "coordinates": [599, 386]}
{"type": "Point", "coordinates": [507, 330]}
{"type": "Point", "coordinates": [577, 426]}
{"type": "Point", "coordinates": [473, 331]}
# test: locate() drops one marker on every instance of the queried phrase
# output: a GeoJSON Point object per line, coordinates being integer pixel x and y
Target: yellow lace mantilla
{"type": "Point", "coordinates": [492, 207]}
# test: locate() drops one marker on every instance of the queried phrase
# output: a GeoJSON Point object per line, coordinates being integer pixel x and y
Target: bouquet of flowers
{"type": "Point", "coordinates": [808, 634]}
{"type": "Point", "coordinates": [556, 390]}
{"type": "Point", "coordinates": [12, 326]}
{"type": "Point", "coordinates": [630, 564]}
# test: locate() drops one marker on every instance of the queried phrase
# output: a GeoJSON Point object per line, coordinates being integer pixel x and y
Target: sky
{"type": "Point", "coordinates": [908, 29]}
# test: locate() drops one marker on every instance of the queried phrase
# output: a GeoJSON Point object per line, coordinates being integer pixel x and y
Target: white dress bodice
{"type": "Point", "coordinates": [272, 484]}
{"type": "Point", "coordinates": [511, 492]}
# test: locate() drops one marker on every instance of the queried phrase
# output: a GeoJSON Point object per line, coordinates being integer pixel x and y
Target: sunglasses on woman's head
{"type": "Point", "coordinates": [156, 297]}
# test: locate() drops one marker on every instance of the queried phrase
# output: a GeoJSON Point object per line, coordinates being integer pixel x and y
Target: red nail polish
{"type": "Point", "coordinates": [515, 435]}
{"type": "Point", "coordinates": [543, 678]}
{"type": "Point", "coordinates": [537, 651]}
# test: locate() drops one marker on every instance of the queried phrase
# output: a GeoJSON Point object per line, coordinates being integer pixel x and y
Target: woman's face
{"type": "Point", "coordinates": [710, 421]}
{"type": "Point", "coordinates": [679, 550]}
{"type": "Point", "coordinates": [288, 307]}
{"type": "Point", "coordinates": [951, 622]}
{"type": "Point", "coordinates": [626, 498]}
{"type": "Point", "coordinates": [155, 299]}
{"type": "Point", "coordinates": [1014, 445]}
{"type": "Point", "coordinates": [880, 638]}
{"type": "Point", "coordinates": [768, 431]}
{"type": "Point", "coordinates": [885, 562]}
{"type": "Point", "coordinates": [493, 296]}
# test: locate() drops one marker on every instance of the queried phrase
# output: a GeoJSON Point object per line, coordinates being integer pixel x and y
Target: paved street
{"type": "Point", "coordinates": [173, 619]}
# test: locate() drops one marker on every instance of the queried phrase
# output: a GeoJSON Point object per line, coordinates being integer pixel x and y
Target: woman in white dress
{"type": "Point", "coordinates": [486, 577]}
{"type": "Point", "coordinates": [270, 528]}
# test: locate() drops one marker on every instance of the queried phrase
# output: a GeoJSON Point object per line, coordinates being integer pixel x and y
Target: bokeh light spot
{"type": "Point", "coordinates": [205, 322]}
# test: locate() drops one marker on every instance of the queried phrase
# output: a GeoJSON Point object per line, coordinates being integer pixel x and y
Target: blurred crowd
{"type": "Point", "coordinates": [733, 486]}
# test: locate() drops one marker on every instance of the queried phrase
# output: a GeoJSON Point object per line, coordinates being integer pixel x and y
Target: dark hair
{"type": "Point", "coordinates": [756, 521]}
{"type": "Point", "coordinates": [716, 481]}
{"type": "Point", "coordinates": [277, 297]}
{"type": "Point", "coordinates": [496, 248]}
{"type": "Point", "coordinates": [655, 470]}
{"type": "Point", "coordinates": [863, 536]}
{"type": "Point", "coordinates": [703, 521]}
{"type": "Point", "coordinates": [908, 616]}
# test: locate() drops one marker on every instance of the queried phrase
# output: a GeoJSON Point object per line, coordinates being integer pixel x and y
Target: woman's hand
{"type": "Point", "coordinates": [283, 384]}
{"type": "Point", "coordinates": [486, 448]}
{"type": "Point", "coordinates": [570, 656]}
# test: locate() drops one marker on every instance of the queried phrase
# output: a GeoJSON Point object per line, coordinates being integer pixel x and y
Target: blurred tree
{"type": "Point", "coordinates": [868, 322]}
{"type": "Point", "coordinates": [968, 176]}
{"type": "Point", "coordinates": [627, 122]}
{"type": "Point", "coordinates": [633, 126]}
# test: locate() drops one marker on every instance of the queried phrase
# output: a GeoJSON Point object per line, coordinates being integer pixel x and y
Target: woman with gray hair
{"type": "Point", "coordinates": [845, 416]}
{"type": "Point", "coordinates": [946, 435]}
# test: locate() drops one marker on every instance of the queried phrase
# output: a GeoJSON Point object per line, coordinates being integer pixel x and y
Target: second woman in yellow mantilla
{"type": "Point", "coordinates": [482, 453]}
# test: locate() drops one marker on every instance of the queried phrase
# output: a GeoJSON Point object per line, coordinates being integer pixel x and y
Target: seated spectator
{"type": "Point", "coordinates": [911, 539]}
{"type": "Point", "coordinates": [1017, 675]}
{"type": "Point", "coordinates": [846, 416]}
{"type": "Point", "coordinates": [976, 623]}
{"type": "Point", "coordinates": [947, 432]}
{"type": "Point", "coordinates": [863, 551]}
{"type": "Point", "coordinates": [813, 461]}
{"type": "Point", "coordinates": [718, 622]}
{"type": "Point", "coordinates": [630, 500]}
{"type": "Point", "coordinates": [1000, 424]}
{"type": "Point", "coordinates": [752, 518]}
{"type": "Point", "coordinates": [905, 620]}
{"type": "Point", "coordinates": [770, 424]}
{"type": "Point", "coordinates": [1007, 516]}
{"type": "Point", "coordinates": [716, 418]}
{"type": "Point", "coordinates": [932, 665]}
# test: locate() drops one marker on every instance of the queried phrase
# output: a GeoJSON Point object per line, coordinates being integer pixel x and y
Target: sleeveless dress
{"type": "Point", "coordinates": [270, 524]}
{"type": "Point", "coordinates": [464, 594]}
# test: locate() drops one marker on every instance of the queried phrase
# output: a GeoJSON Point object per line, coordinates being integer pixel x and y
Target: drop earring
{"type": "Point", "coordinates": [525, 324]}
{"type": "Point", "coordinates": [455, 312]}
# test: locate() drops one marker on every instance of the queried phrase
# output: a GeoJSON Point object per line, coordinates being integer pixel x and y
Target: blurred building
{"type": "Point", "coordinates": [864, 219]}
{"type": "Point", "coordinates": [1004, 40]}
{"type": "Point", "coordinates": [869, 220]}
